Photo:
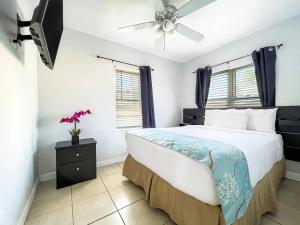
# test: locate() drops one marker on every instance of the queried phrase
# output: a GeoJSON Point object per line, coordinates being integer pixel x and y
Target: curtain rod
{"type": "Point", "coordinates": [278, 46]}
{"type": "Point", "coordinates": [113, 60]}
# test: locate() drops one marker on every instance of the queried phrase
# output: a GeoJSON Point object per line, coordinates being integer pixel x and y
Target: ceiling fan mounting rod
{"type": "Point", "coordinates": [167, 14]}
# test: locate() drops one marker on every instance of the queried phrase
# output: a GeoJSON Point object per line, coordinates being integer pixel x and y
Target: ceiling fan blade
{"type": "Point", "coordinates": [160, 43]}
{"type": "Point", "coordinates": [158, 5]}
{"type": "Point", "coordinates": [188, 32]}
{"type": "Point", "coordinates": [192, 6]}
{"type": "Point", "coordinates": [138, 26]}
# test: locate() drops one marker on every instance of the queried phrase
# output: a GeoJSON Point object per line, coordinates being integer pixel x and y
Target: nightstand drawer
{"type": "Point", "coordinates": [75, 172]}
{"type": "Point", "coordinates": [292, 153]}
{"type": "Point", "coordinates": [75, 154]}
{"type": "Point", "coordinates": [291, 126]}
{"type": "Point", "coordinates": [291, 139]}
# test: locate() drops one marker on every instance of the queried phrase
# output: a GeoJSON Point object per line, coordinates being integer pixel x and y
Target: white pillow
{"type": "Point", "coordinates": [262, 120]}
{"type": "Point", "coordinates": [209, 117]}
{"type": "Point", "coordinates": [234, 119]}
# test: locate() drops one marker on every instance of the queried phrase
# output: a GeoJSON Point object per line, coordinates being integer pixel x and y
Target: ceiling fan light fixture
{"type": "Point", "coordinates": [168, 25]}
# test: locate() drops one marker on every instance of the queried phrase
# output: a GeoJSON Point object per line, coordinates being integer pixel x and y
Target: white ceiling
{"type": "Point", "coordinates": [222, 22]}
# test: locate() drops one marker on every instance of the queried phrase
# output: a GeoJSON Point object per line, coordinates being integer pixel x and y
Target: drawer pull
{"type": "Point", "coordinates": [77, 169]}
{"type": "Point", "coordinates": [77, 154]}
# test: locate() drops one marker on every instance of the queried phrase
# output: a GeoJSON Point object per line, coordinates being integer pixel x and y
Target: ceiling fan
{"type": "Point", "coordinates": [166, 17]}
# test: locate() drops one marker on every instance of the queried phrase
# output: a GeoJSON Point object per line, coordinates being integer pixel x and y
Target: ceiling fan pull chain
{"type": "Point", "coordinates": [164, 41]}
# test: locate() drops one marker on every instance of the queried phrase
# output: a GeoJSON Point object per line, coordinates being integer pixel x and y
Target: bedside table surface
{"type": "Point", "coordinates": [68, 144]}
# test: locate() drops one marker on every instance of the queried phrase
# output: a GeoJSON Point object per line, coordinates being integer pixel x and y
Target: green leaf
{"type": "Point", "coordinates": [74, 132]}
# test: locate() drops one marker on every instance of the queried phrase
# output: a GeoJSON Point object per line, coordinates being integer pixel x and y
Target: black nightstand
{"type": "Point", "coordinates": [184, 124]}
{"type": "Point", "coordinates": [75, 163]}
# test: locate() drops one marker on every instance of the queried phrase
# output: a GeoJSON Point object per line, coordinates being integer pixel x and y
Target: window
{"type": "Point", "coordinates": [233, 88]}
{"type": "Point", "coordinates": [128, 99]}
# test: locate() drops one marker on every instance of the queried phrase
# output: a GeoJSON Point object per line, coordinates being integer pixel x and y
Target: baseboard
{"type": "Point", "coordinates": [292, 176]}
{"type": "Point", "coordinates": [47, 176]}
{"type": "Point", "coordinates": [52, 175]}
{"type": "Point", "coordinates": [28, 203]}
{"type": "Point", "coordinates": [111, 161]}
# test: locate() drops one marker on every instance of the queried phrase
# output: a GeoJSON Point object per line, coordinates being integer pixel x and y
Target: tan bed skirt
{"type": "Point", "coordinates": [186, 210]}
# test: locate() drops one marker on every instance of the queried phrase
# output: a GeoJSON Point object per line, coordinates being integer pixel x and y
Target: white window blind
{"type": "Point", "coordinates": [218, 90]}
{"type": "Point", "coordinates": [246, 92]}
{"type": "Point", "coordinates": [128, 99]}
{"type": "Point", "coordinates": [233, 88]}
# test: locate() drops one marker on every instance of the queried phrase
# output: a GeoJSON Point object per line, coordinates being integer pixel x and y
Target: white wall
{"type": "Point", "coordinates": [80, 81]}
{"type": "Point", "coordinates": [18, 119]}
{"type": "Point", "coordinates": [288, 65]}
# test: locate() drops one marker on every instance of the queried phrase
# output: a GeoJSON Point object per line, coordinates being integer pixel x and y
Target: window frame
{"type": "Point", "coordinates": [231, 89]}
{"type": "Point", "coordinates": [119, 72]}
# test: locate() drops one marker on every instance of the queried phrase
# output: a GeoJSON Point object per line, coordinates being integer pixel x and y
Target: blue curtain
{"type": "Point", "coordinates": [147, 97]}
{"type": "Point", "coordinates": [203, 77]}
{"type": "Point", "coordinates": [264, 62]}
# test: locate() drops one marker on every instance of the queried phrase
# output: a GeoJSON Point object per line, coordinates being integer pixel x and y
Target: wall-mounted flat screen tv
{"type": "Point", "coordinates": [46, 29]}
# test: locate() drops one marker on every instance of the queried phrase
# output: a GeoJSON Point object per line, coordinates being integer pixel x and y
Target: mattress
{"type": "Point", "coordinates": [262, 150]}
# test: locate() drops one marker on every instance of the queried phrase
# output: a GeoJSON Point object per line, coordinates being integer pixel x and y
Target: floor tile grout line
{"type": "Point", "coordinates": [128, 204]}
{"type": "Point", "coordinates": [72, 204]}
{"type": "Point", "coordinates": [112, 200]}
{"type": "Point", "coordinates": [272, 219]}
{"type": "Point", "coordinates": [119, 187]}
{"type": "Point", "coordinates": [114, 203]}
{"type": "Point", "coordinates": [131, 203]}
{"type": "Point", "coordinates": [90, 196]}
{"type": "Point", "coordinates": [288, 205]}
{"type": "Point", "coordinates": [169, 220]}
{"type": "Point", "coordinates": [50, 211]}
{"type": "Point", "coordinates": [118, 209]}
{"type": "Point", "coordinates": [102, 217]}
{"type": "Point", "coordinates": [46, 213]}
{"type": "Point", "coordinates": [106, 190]}
{"type": "Point", "coordinates": [289, 190]}
{"type": "Point", "coordinates": [98, 170]}
{"type": "Point", "coordinates": [111, 174]}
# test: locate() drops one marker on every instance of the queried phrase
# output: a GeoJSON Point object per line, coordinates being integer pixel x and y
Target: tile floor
{"type": "Point", "coordinates": [112, 200]}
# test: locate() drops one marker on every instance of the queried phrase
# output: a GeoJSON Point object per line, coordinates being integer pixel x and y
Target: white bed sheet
{"type": "Point", "coordinates": [262, 150]}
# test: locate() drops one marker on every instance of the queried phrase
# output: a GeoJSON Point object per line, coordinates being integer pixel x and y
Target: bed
{"type": "Point", "coordinates": [184, 188]}
{"type": "Point", "coordinates": [155, 157]}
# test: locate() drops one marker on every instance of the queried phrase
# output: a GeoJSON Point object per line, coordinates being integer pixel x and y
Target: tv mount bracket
{"type": "Point", "coordinates": [18, 38]}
